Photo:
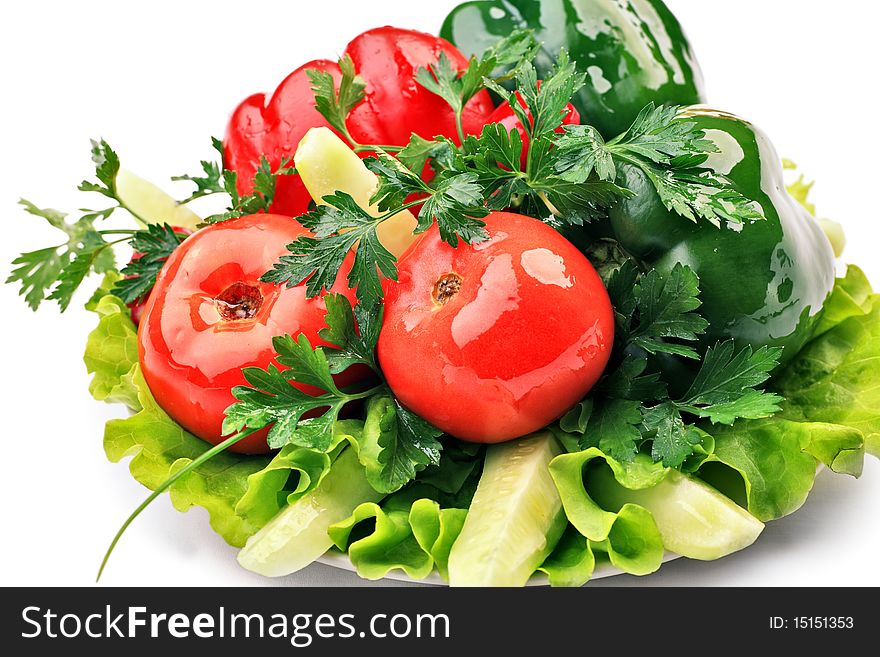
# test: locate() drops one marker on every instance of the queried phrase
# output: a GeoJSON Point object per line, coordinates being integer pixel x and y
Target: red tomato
{"type": "Point", "coordinates": [505, 115]}
{"type": "Point", "coordinates": [209, 316]}
{"type": "Point", "coordinates": [395, 106]}
{"type": "Point", "coordinates": [495, 340]}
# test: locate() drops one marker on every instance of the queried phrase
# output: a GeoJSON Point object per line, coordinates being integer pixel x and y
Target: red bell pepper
{"type": "Point", "coordinates": [395, 106]}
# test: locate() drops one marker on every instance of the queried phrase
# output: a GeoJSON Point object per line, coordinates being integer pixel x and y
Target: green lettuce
{"type": "Point", "coordinates": [831, 413]}
{"type": "Point", "coordinates": [834, 379]}
{"type": "Point", "coordinates": [112, 352]}
{"type": "Point", "coordinates": [630, 536]}
{"type": "Point", "coordinates": [852, 296]}
{"type": "Point", "coordinates": [572, 561]}
{"type": "Point", "coordinates": [414, 528]}
{"type": "Point", "coordinates": [412, 537]}
{"type": "Point", "coordinates": [292, 473]}
{"type": "Point", "coordinates": [776, 461]}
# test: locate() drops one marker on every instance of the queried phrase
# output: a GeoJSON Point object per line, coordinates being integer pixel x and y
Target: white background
{"type": "Point", "coordinates": [158, 79]}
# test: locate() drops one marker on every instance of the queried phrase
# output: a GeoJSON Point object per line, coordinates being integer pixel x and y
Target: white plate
{"type": "Point", "coordinates": [340, 560]}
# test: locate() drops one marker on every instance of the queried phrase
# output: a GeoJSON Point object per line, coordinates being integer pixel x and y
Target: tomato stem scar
{"type": "Point", "coordinates": [238, 301]}
{"type": "Point", "coordinates": [446, 287]}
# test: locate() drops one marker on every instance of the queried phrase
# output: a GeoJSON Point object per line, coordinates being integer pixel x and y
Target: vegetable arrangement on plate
{"type": "Point", "coordinates": [501, 302]}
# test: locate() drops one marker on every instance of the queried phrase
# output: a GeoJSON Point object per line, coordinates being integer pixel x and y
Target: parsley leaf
{"type": "Point", "coordinates": [154, 245]}
{"type": "Point", "coordinates": [457, 87]}
{"type": "Point", "coordinates": [497, 155]}
{"type": "Point", "coordinates": [86, 258]}
{"type": "Point", "coordinates": [670, 152]}
{"type": "Point", "coordinates": [454, 201]}
{"type": "Point", "coordinates": [37, 272]}
{"type": "Point", "coordinates": [457, 206]}
{"type": "Point", "coordinates": [723, 389]}
{"type": "Point", "coordinates": [61, 267]}
{"type": "Point", "coordinates": [337, 227]}
{"type": "Point", "coordinates": [270, 397]}
{"type": "Point", "coordinates": [353, 333]}
{"type": "Point", "coordinates": [335, 105]}
{"type": "Point", "coordinates": [106, 169]}
{"type": "Point", "coordinates": [613, 427]}
{"type": "Point", "coordinates": [443, 80]}
{"type": "Point", "coordinates": [673, 440]}
{"type": "Point", "coordinates": [652, 309]}
{"type": "Point", "coordinates": [620, 285]}
{"type": "Point", "coordinates": [664, 303]}
{"type": "Point", "coordinates": [397, 444]}
{"type": "Point", "coordinates": [260, 199]}
{"type": "Point", "coordinates": [546, 102]}
{"type": "Point", "coordinates": [629, 381]}
{"type": "Point", "coordinates": [212, 181]}
{"type": "Point", "coordinates": [396, 182]}
{"type": "Point", "coordinates": [419, 151]}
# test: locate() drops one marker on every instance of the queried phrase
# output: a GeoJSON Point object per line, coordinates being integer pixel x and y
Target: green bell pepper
{"type": "Point", "coordinates": [634, 51]}
{"type": "Point", "coordinates": [762, 282]}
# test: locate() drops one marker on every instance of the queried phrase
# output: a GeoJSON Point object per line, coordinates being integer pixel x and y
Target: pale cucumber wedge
{"type": "Point", "coordinates": [152, 204]}
{"type": "Point", "coordinates": [326, 164]}
{"type": "Point", "coordinates": [694, 519]}
{"type": "Point", "coordinates": [298, 534]}
{"type": "Point", "coordinates": [515, 519]}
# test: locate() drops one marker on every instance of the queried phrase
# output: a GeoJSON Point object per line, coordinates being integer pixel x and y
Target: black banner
{"type": "Point", "coordinates": [430, 621]}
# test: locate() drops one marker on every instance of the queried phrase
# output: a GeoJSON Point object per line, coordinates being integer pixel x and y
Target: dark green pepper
{"type": "Point", "coordinates": [633, 51]}
{"type": "Point", "coordinates": [761, 282]}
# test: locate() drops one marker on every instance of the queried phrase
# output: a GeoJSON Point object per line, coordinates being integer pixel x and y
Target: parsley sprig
{"type": "Point", "coordinates": [404, 444]}
{"type": "Point", "coordinates": [212, 182]}
{"type": "Point", "coordinates": [153, 246]}
{"type": "Point", "coordinates": [656, 313]}
{"type": "Point", "coordinates": [56, 272]}
{"type": "Point", "coordinates": [457, 88]}
{"type": "Point", "coordinates": [669, 150]}
{"type": "Point", "coordinates": [219, 180]}
{"type": "Point", "coordinates": [337, 227]}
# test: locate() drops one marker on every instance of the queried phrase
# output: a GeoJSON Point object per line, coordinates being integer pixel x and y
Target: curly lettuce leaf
{"type": "Point", "coordinates": [835, 379]}
{"type": "Point", "coordinates": [852, 296]}
{"type": "Point", "coordinates": [572, 561]}
{"type": "Point", "coordinates": [111, 352]}
{"type": "Point", "coordinates": [292, 473]}
{"type": "Point", "coordinates": [629, 536]}
{"type": "Point", "coordinates": [776, 462]}
{"type": "Point", "coordinates": [410, 538]}
{"type": "Point", "coordinates": [831, 413]}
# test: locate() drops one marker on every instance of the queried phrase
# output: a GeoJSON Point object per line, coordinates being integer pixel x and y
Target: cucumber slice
{"type": "Point", "coordinates": [152, 204]}
{"type": "Point", "coordinates": [326, 165]}
{"type": "Point", "coordinates": [515, 518]}
{"type": "Point", "coordinates": [298, 534]}
{"type": "Point", "coordinates": [694, 519]}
